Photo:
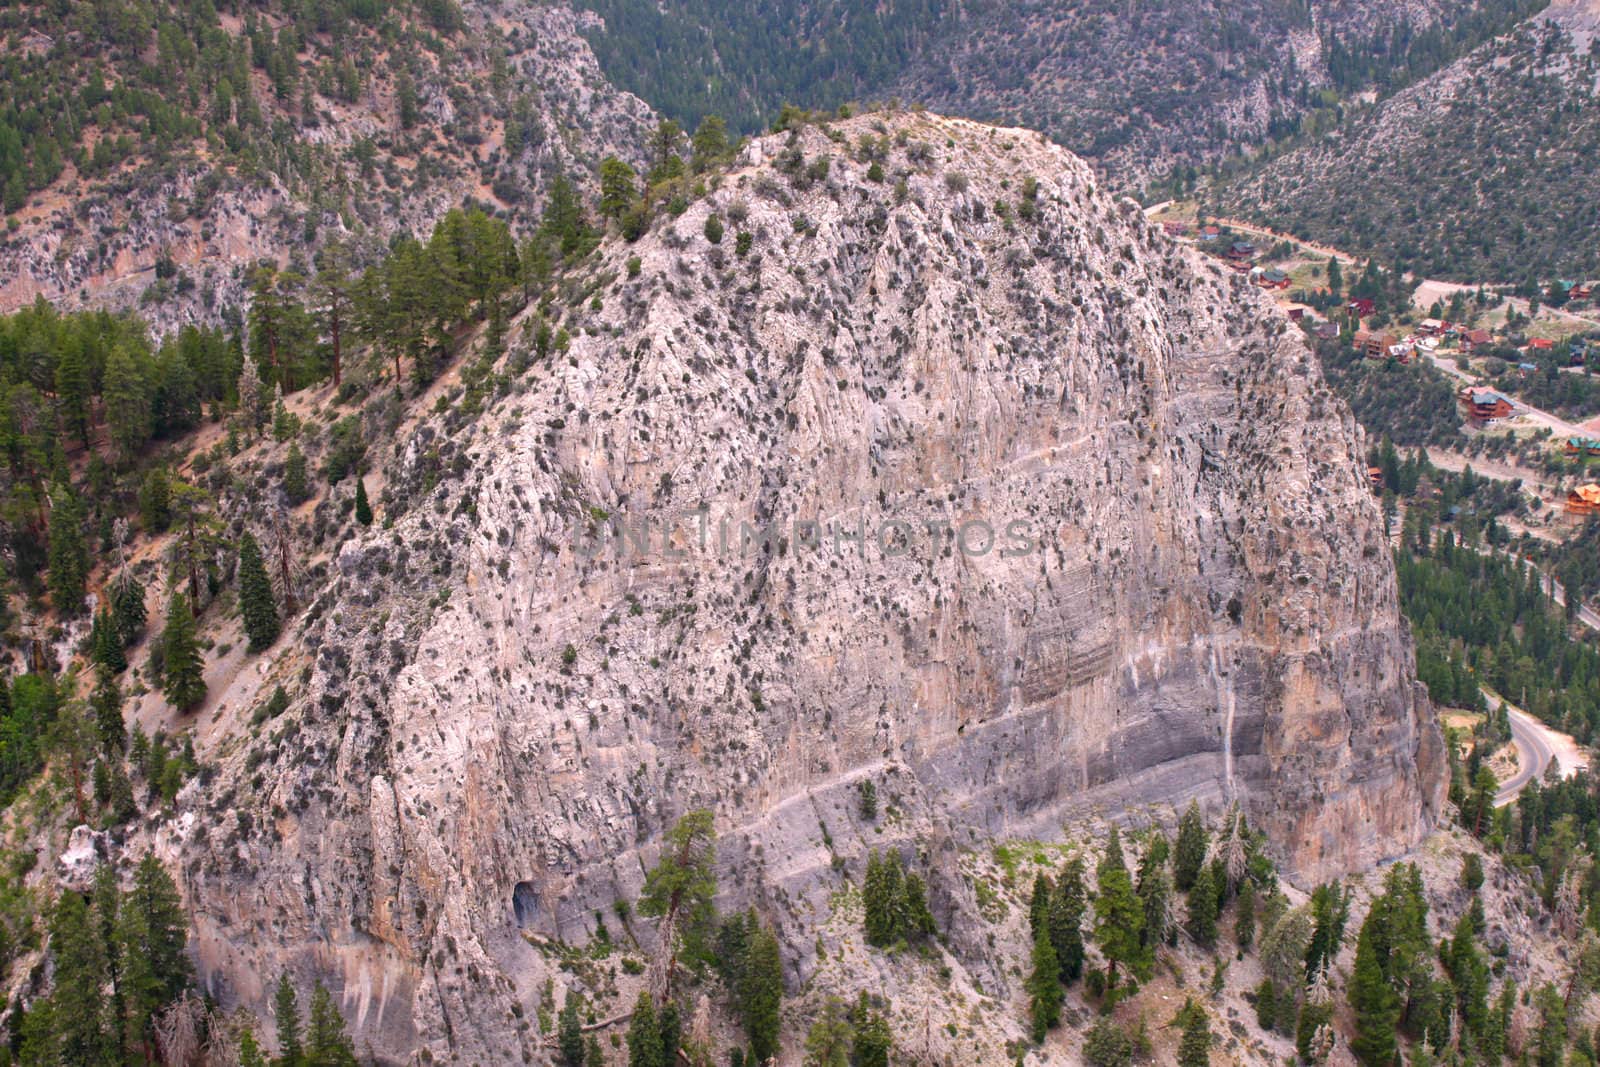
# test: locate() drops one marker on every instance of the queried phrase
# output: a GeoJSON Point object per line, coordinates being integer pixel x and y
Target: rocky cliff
{"type": "Point", "coordinates": [925, 462]}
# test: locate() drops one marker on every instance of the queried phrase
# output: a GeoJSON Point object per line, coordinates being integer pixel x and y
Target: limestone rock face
{"type": "Point", "coordinates": [1188, 592]}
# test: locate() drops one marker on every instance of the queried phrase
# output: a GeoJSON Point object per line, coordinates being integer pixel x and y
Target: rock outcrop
{"type": "Point", "coordinates": [934, 465]}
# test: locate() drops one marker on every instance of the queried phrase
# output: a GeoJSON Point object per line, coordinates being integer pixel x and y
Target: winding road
{"type": "Point", "coordinates": [1533, 751]}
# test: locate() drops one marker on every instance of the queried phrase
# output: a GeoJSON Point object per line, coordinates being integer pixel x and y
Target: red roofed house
{"type": "Point", "coordinates": [1473, 340]}
{"type": "Point", "coordinates": [1360, 308]}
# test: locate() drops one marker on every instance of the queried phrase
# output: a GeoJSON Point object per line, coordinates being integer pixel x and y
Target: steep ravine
{"type": "Point", "coordinates": [1208, 609]}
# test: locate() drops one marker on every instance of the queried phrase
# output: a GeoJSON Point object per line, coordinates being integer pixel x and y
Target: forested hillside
{"type": "Point", "coordinates": [1484, 172]}
{"type": "Point", "coordinates": [1139, 87]}
{"type": "Point", "coordinates": [151, 149]}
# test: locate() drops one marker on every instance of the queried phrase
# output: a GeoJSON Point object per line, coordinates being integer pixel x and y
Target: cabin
{"type": "Point", "coordinates": [1360, 308]}
{"type": "Point", "coordinates": [1210, 233]}
{"type": "Point", "coordinates": [1584, 500]}
{"type": "Point", "coordinates": [1430, 327]}
{"type": "Point", "coordinates": [1175, 228]}
{"type": "Point", "coordinates": [1582, 446]}
{"type": "Point", "coordinates": [1273, 279]}
{"type": "Point", "coordinates": [1476, 340]}
{"type": "Point", "coordinates": [1375, 345]}
{"type": "Point", "coordinates": [1326, 330]}
{"type": "Point", "coordinates": [1241, 250]}
{"type": "Point", "coordinates": [1484, 406]}
{"type": "Point", "coordinates": [1582, 291]}
{"type": "Point", "coordinates": [1297, 312]}
{"type": "Point", "coordinates": [1540, 344]}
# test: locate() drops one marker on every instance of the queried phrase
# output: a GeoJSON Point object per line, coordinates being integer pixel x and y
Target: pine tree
{"type": "Point", "coordinates": [761, 994]}
{"type": "Point", "coordinates": [1203, 908]}
{"type": "Point", "coordinates": [127, 607]}
{"type": "Point", "coordinates": [570, 1032]}
{"type": "Point", "coordinates": [250, 1054]}
{"type": "Point", "coordinates": [1190, 853]}
{"type": "Point", "coordinates": [1067, 905]}
{"type": "Point", "coordinates": [644, 1036]}
{"type": "Point", "coordinates": [127, 403]}
{"type": "Point", "coordinates": [1044, 986]}
{"type": "Point", "coordinates": [1470, 975]}
{"type": "Point", "coordinates": [295, 484]}
{"type": "Point", "coordinates": [78, 1007]}
{"type": "Point", "coordinates": [363, 508]}
{"type": "Point", "coordinates": [1330, 910]}
{"type": "Point", "coordinates": [618, 187]}
{"type": "Point", "coordinates": [1119, 918]}
{"type": "Point", "coordinates": [1194, 1050]}
{"type": "Point", "coordinates": [878, 895]}
{"type": "Point", "coordinates": [286, 1012]}
{"type": "Point", "coordinates": [68, 558]}
{"type": "Point", "coordinates": [326, 1042]}
{"type": "Point", "coordinates": [256, 601]}
{"type": "Point", "coordinates": [151, 938]}
{"type": "Point", "coordinates": [873, 1039]}
{"type": "Point", "coordinates": [669, 1024]}
{"type": "Point", "coordinates": [830, 1037]}
{"type": "Point", "coordinates": [155, 500]}
{"type": "Point", "coordinates": [105, 645]}
{"type": "Point", "coordinates": [1155, 893]}
{"type": "Point", "coordinates": [1039, 905]}
{"type": "Point", "coordinates": [1244, 916]}
{"type": "Point", "coordinates": [183, 677]}
{"type": "Point", "coordinates": [1373, 1001]}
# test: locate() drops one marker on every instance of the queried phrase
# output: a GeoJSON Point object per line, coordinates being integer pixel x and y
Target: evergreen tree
{"type": "Point", "coordinates": [1039, 905]}
{"type": "Point", "coordinates": [680, 888]}
{"type": "Point", "coordinates": [152, 935]}
{"type": "Point", "coordinates": [1067, 905]}
{"type": "Point", "coordinates": [1044, 985]}
{"type": "Point", "coordinates": [570, 1032]}
{"type": "Point", "coordinates": [670, 1025]}
{"type": "Point", "coordinates": [250, 1054]}
{"type": "Point", "coordinates": [1552, 1010]}
{"type": "Point", "coordinates": [256, 601]}
{"type": "Point", "coordinates": [1203, 908]}
{"type": "Point", "coordinates": [760, 994]}
{"type": "Point", "coordinates": [1373, 1001]}
{"type": "Point", "coordinates": [1244, 916]}
{"type": "Point", "coordinates": [1155, 893]}
{"type": "Point", "coordinates": [127, 607]}
{"type": "Point", "coordinates": [867, 800]}
{"type": "Point", "coordinates": [252, 398]}
{"type": "Point", "coordinates": [1119, 918]}
{"type": "Point", "coordinates": [68, 555]}
{"type": "Point", "coordinates": [363, 508]}
{"type": "Point", "coordinates": [1330, 910]}
{"type": "Point", "coordinates": [78, 1008]}
{"type": "Point", "coordinates": [155, 500]}
{"type": "Point", "coordinates": [829, 1040]}
{"type": "Point", "coordinates": [105, 645]}
{"type": "Point", "coordinates": [1470, 975]}
{"type": "Point", "coordinates": [327, 1045]}
{"type": "Point", "coordinates": [183, 678]}
{"type": "Point", "coordinates": [124, 391]}
{"type": "Point", "coordinates": [1194, 1050]}
{"type": "Point", "coordinates": [1190, 853]}
{"type": "Point", "coordinates": [295, 484]}
{"type": "Point", "coordinates": [880, 890]}
{"type": "Point", "coordinates": [286, 1012]}
{"type": "Point", "coordinates": [873, 1039]}
{"type": "Point", "coordinates": [618, 187]}
{"type": "Point", "coordinates": [644, 1036]}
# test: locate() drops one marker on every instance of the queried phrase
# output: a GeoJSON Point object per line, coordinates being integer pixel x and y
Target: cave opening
{"type": "Point", "coordinates": [524, 904]}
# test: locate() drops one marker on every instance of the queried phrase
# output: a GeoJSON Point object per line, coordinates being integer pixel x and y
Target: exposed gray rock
{"type": "Point", "coordinates": [1209, 609]}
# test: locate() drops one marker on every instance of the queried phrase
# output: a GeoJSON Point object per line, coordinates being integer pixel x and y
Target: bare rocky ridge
{"type": "Point", "coordinates": [1210, 613]}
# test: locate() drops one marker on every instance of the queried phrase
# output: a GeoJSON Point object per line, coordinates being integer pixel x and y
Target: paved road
{"type": "Point", "coordinates": [1533, 751]}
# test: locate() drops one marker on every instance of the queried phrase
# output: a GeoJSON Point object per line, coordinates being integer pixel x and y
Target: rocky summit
{"type": "Point", "coordinates": [905, 454]}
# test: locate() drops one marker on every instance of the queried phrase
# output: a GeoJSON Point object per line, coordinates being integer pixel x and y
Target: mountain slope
{"type": "Point", "coordinates": [495, 714]}
{"type": "Point", "coordinates": [1484, 172]}
{"type": "Point", "coordinates": [1138, 88]}
{"type": "Point", "coordinates": [150, 151]}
